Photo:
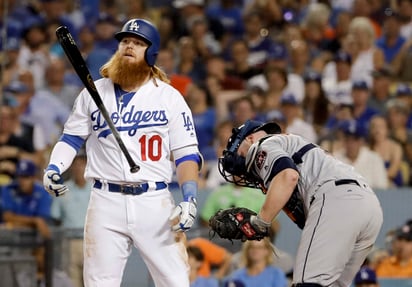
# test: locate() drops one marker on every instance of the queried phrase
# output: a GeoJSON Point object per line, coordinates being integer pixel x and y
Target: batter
{"type": "Point", "coordinates": [342, 215]}
{"type": "Point", "coordinates": [133, 209]}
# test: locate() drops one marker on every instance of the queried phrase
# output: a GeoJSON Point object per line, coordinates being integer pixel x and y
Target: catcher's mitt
{"type": "Point", "coordinates": [235, 224]}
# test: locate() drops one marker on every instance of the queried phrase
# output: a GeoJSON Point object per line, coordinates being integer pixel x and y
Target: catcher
{"type": "Point", "coordinates": [339, 214]}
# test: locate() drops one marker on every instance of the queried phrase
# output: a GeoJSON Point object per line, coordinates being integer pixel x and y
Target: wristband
{"type": "Point", "coordinates": [53, 167]}
{"type": "Point", "coordinates": [189, 190]}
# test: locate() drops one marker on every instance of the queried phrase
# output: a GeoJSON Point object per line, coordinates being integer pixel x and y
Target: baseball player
{"type": "Point", "coordinates": [339, 213]}
{"type": "Point", "coordinates": [126, 208]}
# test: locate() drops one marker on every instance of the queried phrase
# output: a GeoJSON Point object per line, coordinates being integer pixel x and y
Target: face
{"type": "Point", "coordinates": [132, 49]}
{"type": "Point", "coordinates": [26, 184]}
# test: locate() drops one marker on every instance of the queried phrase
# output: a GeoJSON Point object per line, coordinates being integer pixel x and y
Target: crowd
{"type": "Point", "coordinates": [338, 73]}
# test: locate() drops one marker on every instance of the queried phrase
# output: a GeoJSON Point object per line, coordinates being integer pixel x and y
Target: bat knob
{"type": "Point", "coordinates": [134, 169]}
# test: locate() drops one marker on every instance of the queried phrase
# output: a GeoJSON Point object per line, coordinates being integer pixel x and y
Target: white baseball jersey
{"type": "Point", "coordinates": [152, 122]}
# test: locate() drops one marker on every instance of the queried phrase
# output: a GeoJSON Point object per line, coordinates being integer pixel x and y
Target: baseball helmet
{"type": "Point", "coordinates": [145, 30]}
{"type": "Point", "coordinates": [233, 166]}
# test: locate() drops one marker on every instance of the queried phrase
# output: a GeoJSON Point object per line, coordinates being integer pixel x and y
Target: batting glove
{"type": "Point", "coordinates": [53, 182]}
{"type": "Point", "coordinates": [187, 209]}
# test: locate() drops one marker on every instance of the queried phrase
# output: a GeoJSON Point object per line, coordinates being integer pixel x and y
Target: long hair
{"type": "Point", "coordinates": [246, 262]}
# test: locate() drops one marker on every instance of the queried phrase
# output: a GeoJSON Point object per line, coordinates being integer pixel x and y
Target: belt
{"type": "Point", "coordinates": [346, 181]}
{"type": "Point", "coordinates": [133, 189]}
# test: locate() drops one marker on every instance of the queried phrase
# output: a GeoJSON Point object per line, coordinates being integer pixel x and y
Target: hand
{"type": "Point", "coordinates": [259, 224]}
{"type": "Point", "coordinates": [53, 183]}
{"type": "Point", "coordinates": [42, 227]}
{"type": "Point", "coordinates": [185, 212]}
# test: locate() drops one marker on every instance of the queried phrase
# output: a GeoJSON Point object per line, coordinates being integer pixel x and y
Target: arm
{"type": "Point", "coordinates": [36, 222]}
{"type": "Point", "coordinates": [280, 190]}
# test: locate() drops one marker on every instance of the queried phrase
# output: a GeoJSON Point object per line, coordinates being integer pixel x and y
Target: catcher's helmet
{"type": "Point", "coordinates": [231, 165]}
{"type": "Point", "coordinates": [145, 30]}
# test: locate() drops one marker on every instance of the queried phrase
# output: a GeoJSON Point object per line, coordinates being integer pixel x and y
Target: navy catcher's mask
{"type": "Point", "coordinates": [231, 165]}
{"type": "Point", "coordinates": [145, 30]}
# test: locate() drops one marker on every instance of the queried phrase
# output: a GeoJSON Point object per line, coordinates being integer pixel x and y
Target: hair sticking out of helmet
{"type": "Point", "coordinates": [146, 30]}
{"type": "Point", "coordinates": [231, 165]}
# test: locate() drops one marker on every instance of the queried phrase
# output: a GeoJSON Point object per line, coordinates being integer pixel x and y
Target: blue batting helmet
{"type": "Point", "coordinates": [145, 30]}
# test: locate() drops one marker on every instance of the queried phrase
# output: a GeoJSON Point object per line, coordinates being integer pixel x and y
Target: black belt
{"type": "Point", "coordinates": [134, 189]}
{"type": "Point", "coordinates": [297, 156]}
{"type": "Point", "coordinates": [346, 181]}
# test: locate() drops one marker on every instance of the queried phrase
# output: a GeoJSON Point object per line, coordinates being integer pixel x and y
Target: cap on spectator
{"type": "Point", "coordinates": [365, 275]}
{"type": "Point", "coordinates": [277, 52]}
{"type": "Point", "coordinates": [391, 14]}
{"type": "Point", "coordinates": [404, 232]}
{"type": "Point", "coordinates": [353, 128]}
{"type": "Point", "coordinates": [26, 167]}
{"type": "Point", "coordinates": [183, 3]}
{"type": "Point", "coordinates": [360, 85]}
{"type": "Point", "coordinates": [289, 99]}
{"type": "Point", "coordinates": [312, 76]}
{"type": "Point", "coordinates": [343, 56]}
{"type": "Point", "coordinates": [403, 90]}
{"type": "Point", "coordinates": [382, 72]}
{"type": "Point", "coordinates": [234, 283]}
{"type": "Point", "coordinates": [16, 87]}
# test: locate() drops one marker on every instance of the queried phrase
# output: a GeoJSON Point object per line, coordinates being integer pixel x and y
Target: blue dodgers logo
{"type": "Point", "coordinates": [132, 120]}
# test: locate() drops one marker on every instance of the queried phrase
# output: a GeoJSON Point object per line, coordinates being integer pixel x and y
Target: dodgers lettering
{"type": "Point", "coordinates": [130, 121]}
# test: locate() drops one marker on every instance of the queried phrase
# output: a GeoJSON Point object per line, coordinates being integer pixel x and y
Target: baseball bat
{"type": "Point", "coordinates": [73, 54]}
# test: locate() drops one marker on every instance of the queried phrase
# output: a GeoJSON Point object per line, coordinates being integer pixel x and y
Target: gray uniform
{"type": "Point", "coordinates": [343, 214]}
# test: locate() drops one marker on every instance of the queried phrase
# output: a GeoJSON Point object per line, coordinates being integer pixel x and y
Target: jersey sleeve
{"type": "Point", "coordinates": [78, 122]}
{"type": "Point", "coordinates": [181, 126]}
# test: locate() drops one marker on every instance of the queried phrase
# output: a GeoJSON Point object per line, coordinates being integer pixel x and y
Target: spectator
{"type": "Point", "coordinates": [391, 41]}
{"type": "Point", "coordinates": [356, 153]}
{"type": "Point", "coordinates": [12, 146]}
{"type": "Point", "coordinates": [166, 61]}
{"type": "Point", "coordinates": [259, 43]}
{"type": "Point", "coordinates": [229, 14]}
{"type": "Point", "coordinates": [405, 16]}
{"type": "Point", "coordinates": [11, 55]}
{"type": "Point", "coordinates": [190, 63]}
{"type": "Point", "coordinates": [366, 277]}
{"type": "Point", "coordinates": [336, 78]}
{"type": "Point", "coordinates": [243, 109]}
{"type": "Point", "coordinates": [401, 64]}
{"type": "Point", "coordinates": [404, 94]}
{"type": "Point", "coordinates": [380, 92]}
{"type": "Point", "coordinates": [70, 213]}
{"type": "Point", "coordinates": [56, 85]}
{"type": "Point", "coordinates": [33, 55]}
{"type": "Point", "coordinates": [105, 28]}
{"type": "Point", "coordinates": [27, 204]}
{"type": "Point", "coordinates": [333, 137]}
{"type": "Point", "coordinates": [300, 58]}
{"type": "Point", "coordinates": [257, 268]}
{"type": "Point", "coordinates": [362, 112]}
{"type": "Point", "coordinates": [94, 56]}
{"type": "Point", "coordinates": [42, 108]}
{"type": "Point", "coordinates": [216, 261]}
{"type": "Point", "coordinates": [292, 111]}
{"type": "Point", "coordinates": [204, 116]}
{"type": "Point", "coordinates": [196, 258]}
{"type": "Point", "coordinates": [399, 264]}
{"type": "Point", "coordinates": [277, 79]}
{"type": "Point", "coordinates": [390, 151]}
{"type": "Point", "coordinates": [397, 114]}
{"type": "Point", "coordinates": [204, 41]}
{"type": "Point", "coordinates": [239, 65]}
{"type": "Point", "coordinates": [366, 56]}
{"type": "Point", "coordinates": [315, 105]}
{"type": "Point", "coordinates": [223, 131]}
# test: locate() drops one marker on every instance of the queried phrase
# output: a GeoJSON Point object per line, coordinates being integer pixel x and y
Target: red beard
{"type": "Point", "coordinates": [127, 74]}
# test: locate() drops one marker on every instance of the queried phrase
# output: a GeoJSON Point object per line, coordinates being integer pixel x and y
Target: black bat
{"type": "Point", "coordinates": [73, 54]}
